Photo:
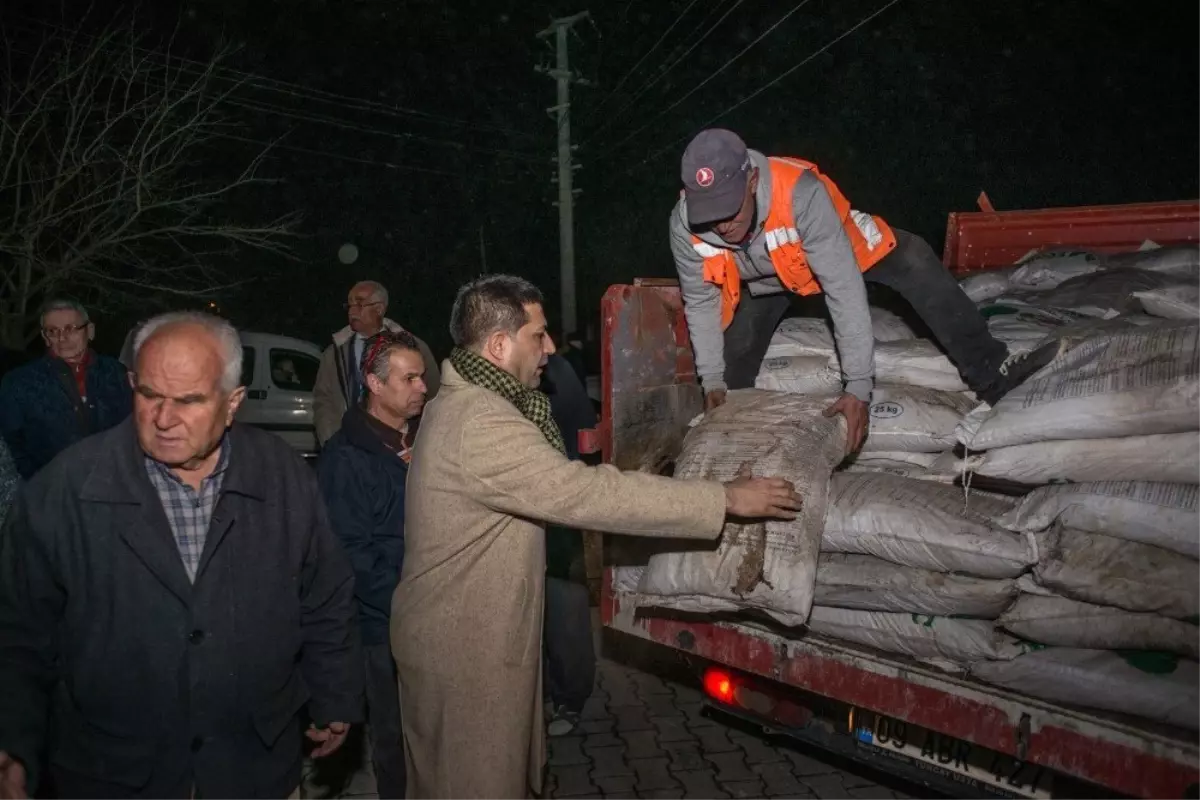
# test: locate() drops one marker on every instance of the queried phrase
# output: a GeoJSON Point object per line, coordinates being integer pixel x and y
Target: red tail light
{"type": "Point", "coordinates": [719, 685]}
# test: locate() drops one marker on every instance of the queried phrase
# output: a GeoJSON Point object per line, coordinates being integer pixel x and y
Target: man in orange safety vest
{"type": "Point", "coordinates": [750, 232]}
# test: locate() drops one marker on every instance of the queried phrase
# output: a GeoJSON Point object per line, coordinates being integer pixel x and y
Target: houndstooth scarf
{"type": "Point", "coordinates": [533, 405]}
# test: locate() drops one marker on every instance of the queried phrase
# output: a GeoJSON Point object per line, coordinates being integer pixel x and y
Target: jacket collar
{"type": "Point", "coordinates": [343, 336]}
{"type": "Point", "coordinates": [367, 433]}
{"type": "Point", "coordinates": [119, 476]}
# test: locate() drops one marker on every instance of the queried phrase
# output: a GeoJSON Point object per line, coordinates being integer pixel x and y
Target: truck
{"type": "Point", "coordinates": [948, 733]}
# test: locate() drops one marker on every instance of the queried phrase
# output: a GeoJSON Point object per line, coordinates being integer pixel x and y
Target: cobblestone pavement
{"type": "Point", "coordinates": [643, 736]}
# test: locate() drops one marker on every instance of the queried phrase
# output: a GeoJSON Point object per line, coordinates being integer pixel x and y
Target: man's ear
{"type": "Point", "coordinates": [752, 183]}
{"type": "Point", "coordinates": [496, 346]}
{"type": "Point", "coordinates": [235, 401]}
{"type": "Point", "coordinates": [374, 385]}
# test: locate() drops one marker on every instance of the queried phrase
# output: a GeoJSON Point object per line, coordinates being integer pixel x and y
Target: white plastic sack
{"type": "Point", "coordinates": [917, 466]}
{"type": "Point", "coordinates": [905, 465]}
{"type": "Point", "coordinates": [985, 286]}
{"type": "Point", "coordinates": [913, 362]}
{"type": "Point", "coordinates": [805, 336]}
{"type": "Point", "coordinates": [1161, 514]}
{"type": "Point", "coordinates": [917, 362]}
{"type": "Point", "coordinates": [942, 641]}
{"type": "Point", "coordinates": [909, 361]}
{"type": "Point", "coordinates": [799, 374]}
{"type": "Point", "coordinates": [911, 418]}
{"type": "Point", "coordinates": [1027, 584]}
{"type": "Point", "coordinates": [1115, 572]}
{"type": "Point", "coordinates": [1106, 294]}
{"type": "Point", "coordinates": [1047, 270]}
{"type": "Point", "coordinates": [867, 583]}
{"type": "Point", "coordinates": [1020, 333]}
{"type": "Point", "coordinates": [1131, 382]}
{"type": "Point", "coordinates": [626, 579]}
{"type": "Point", "coordinates": [801, 336]}
{"type": "Point", "coordinates": [892, 457]}
{"type": "Point", "coordinates": [1023, 327]}
{"type": "Point", "coordinates": [1169, 457]}
{"type": "Point", "coordinates": [1163, 690]}
{"type": "Point", "coordinates": [889, 327]}
{"type": "Point", "coordinates": [1172, 302]}
{"type": "Point", "coordinates": [1181, 260]}
{"type": "Point", "coordinates": [922, 524]}
{"type": "Point", "coordinates": [1065, 622]}
{"type": "Point", "coordinates": [769, 566]}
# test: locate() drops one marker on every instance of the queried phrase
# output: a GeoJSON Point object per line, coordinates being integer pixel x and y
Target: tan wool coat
{"type": "Point", "coordinates": [466, 625]}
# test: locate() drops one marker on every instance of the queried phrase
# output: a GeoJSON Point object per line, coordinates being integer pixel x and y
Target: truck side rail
{"type": "Point", "coordinates": [979, 240]}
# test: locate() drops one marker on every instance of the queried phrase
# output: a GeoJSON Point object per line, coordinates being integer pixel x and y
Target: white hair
{"type": "Point", "coordinates": [225, 333]}
{"type": "Point", "coordinates": [378, 290]}
{"type": "Point", "coordinates": [63, 304]}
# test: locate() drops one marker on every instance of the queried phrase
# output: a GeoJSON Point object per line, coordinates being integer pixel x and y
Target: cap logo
{"type": "Point", "coordinates": [704, 177]}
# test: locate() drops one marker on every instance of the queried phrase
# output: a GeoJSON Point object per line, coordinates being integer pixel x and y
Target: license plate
{"type": "Point", "coordinates": [959, 761]}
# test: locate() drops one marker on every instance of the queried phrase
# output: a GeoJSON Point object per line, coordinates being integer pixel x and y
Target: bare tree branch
{"type": "Point", "coordinates": [106, 179]}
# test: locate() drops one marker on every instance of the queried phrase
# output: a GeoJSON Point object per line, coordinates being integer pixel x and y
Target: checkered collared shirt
{"type": "Point", "coordinates": [189, 511]}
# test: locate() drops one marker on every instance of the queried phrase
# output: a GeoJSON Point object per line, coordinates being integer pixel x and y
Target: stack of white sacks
{"type": "Point", "coordinates": [1084, 591]}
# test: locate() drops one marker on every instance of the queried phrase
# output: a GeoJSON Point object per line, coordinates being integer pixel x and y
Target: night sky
{"type": "Point", "coordinates": [409, 128]}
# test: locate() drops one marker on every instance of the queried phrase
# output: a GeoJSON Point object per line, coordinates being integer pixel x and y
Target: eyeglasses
{"type": "Point", "coordinates": [360, 306]}
{"type": "Point", "coordinates": [64, 331]}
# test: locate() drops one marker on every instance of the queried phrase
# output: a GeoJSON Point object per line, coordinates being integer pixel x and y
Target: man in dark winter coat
{"type": "Point", "coordinates": [362, 473]}
{"type": "Point", "coordinates": [68, 394]}
{"type": "Point", "coordinates": [570, 653]}
{"type": "Point", "coordinates": [172, 598]}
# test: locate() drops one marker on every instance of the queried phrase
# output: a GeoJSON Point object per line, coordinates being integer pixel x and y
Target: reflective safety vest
{"type": "Point", "coordinates": [870, 237]}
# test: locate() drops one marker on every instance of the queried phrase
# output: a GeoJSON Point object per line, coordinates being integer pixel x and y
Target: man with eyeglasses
{"type": "Point", "coordinates": [339, 383]}
{"type": "Point", "coordinates": [67, 395]}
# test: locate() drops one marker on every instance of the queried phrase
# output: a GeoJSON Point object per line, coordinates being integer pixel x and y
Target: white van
{"type": "Point", "coordinates": [279, 374]}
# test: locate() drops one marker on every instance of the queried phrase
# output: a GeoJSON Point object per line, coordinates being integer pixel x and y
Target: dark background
{"type": "Point", "coordinates": [412, 128]}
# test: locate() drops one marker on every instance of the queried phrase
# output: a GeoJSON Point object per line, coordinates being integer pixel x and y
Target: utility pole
{"type": "Point", "coordinates": [561, 72]}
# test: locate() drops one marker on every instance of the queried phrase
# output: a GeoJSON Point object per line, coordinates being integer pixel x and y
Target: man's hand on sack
{"type": "Point", "coordinates": [12, 778]}
{"type": "Point", "coordinates": [761, 498]}
{"type": "Point", "coordinates": [857, 415]}
{"type": "Point", "coordinates": [714, 398]}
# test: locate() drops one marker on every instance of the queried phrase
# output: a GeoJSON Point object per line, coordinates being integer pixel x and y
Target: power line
{"type": "Point", "coordinates": [269, 146]}
{"type": "Point", "coordinates": [654, 81]}
{"type": "Point", "coordinates": [257, 81]}
{"type": "Point", "coordinates": [283, 111]}
{"type": "Point", "coordinates": [785, 74]}
{"type": "Point", "coordinates": [704, 82]}
{"type": "Point", "coordinates": [648, 53]}
{"type": "Point", "coordinates": [763, 88]}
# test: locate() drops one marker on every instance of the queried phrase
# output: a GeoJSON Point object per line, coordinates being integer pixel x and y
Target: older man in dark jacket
{"type": "Point", "coordinates": [362, 472]}
{"type": "Point", "coordinates": [172, 598]}
{"type": "Point", "coordinates": [68, 394]}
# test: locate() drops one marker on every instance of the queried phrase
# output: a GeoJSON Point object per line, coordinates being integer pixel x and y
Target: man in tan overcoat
{"type": "Point", "coordinates": [339, 384]}
{"type": "Point", "coordinates": [488, 473]}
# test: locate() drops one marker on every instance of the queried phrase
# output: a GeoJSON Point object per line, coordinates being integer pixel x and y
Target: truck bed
{"type": "Point", "coordinates": [650, 394]}
{"type": "Point", "coordinates": [1133, 757]}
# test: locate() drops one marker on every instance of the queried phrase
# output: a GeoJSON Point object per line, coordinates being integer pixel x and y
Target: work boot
{"type": "Point", "coordinates": [1017, 368]}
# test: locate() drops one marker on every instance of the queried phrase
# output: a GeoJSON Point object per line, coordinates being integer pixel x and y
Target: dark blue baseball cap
{"type": "Point", "coordinates": [715, 170]}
